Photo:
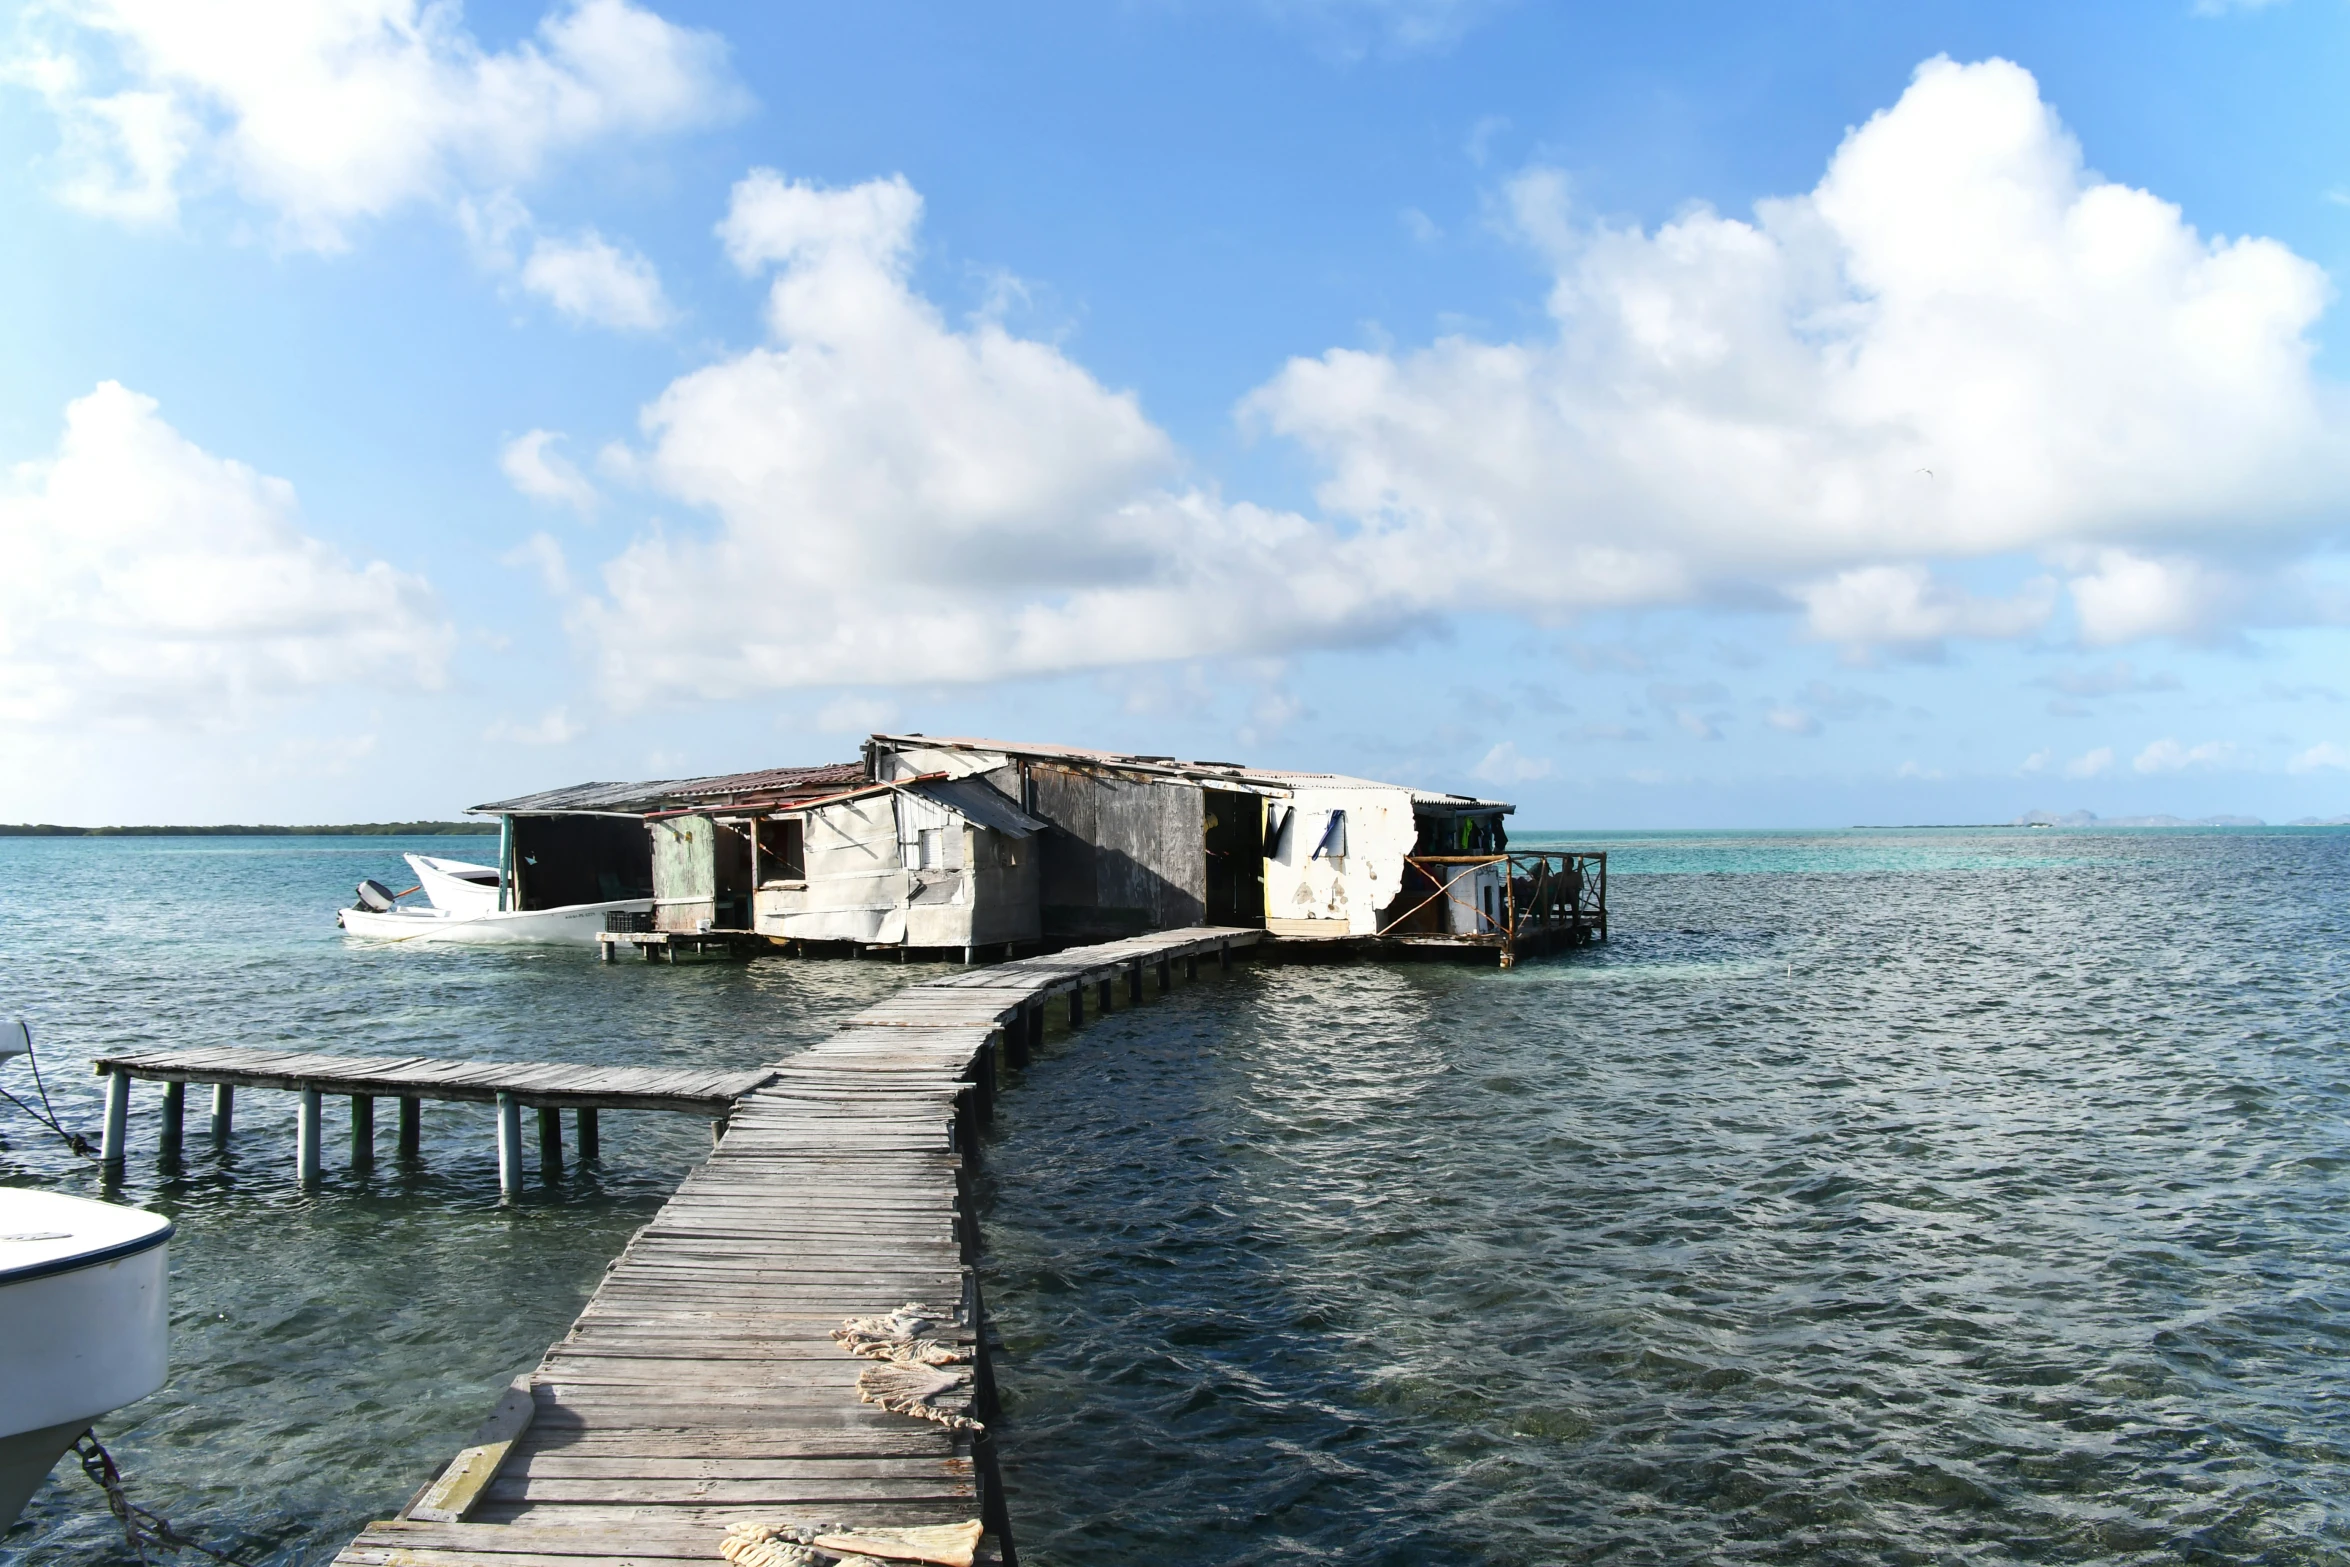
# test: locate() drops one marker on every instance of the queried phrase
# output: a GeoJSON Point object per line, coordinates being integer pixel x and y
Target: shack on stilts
{"type": "Point", "coordinates": [970, 848]}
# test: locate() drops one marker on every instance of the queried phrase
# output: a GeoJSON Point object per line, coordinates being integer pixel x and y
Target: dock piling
{"type": "Point", "coordinates": [118, 1119]}
{"type": "Point", "coordinates": [591, 1145]}
{"type": "Point", "coordinates": [1134, 981]}
{"type": "Point", "coordinates": [1016, 1036]}
{"type": "Point", "coordinates": [1077, 1004]}
{"type": "Point", "coordinates": [306, 1136]}
{"type": "Point", "coordinates": [509, 1146]}
{"type": "Point", "coordinates": [411, 1126]}
{"type": "Point", "coordinates": [175, 1103]}
{"type": "Point", "coordinates": [224, 1110]}
{"type": "Point", "coordinates": [362, 1131]}
{"type": "Point", "coordinates": [550, 1142]}
{"type": "Point", "coordinates": [1103, 995]}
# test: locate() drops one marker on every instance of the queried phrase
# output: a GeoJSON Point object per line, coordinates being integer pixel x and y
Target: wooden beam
{"type": "Point", "coordinates": [459, 1487]}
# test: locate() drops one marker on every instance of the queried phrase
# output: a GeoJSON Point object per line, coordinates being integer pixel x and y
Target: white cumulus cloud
{"type": "Point", "coordinates": [1506, 764]}
{"type": "Point", "coordinates": [2168, 756]}
{"type": "Point", "coordinates": [2090, 763]}
{"type": "Point", "coordinates": [148, 580]}
{"type": "Point", "coordinates": [2323, 754]}
{"type": "Point", "coordinates": [900, 497]}
{"type": "Point", "coordinates": [595, 282]}
{"type": "Point", "coordinates": [333, 111]}
{"type": "Point", "coordinates": [1958, 345]}
{"type": "Point", "coordinates": [556, 726]}
{"type": "Point", "coordinates": [534, 467]}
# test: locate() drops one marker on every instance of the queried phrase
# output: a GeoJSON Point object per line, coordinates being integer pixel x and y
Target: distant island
{"type": "Point", "coordinates": [2092, 819]}
{"type": "Point", "coordinates": [342, 830]}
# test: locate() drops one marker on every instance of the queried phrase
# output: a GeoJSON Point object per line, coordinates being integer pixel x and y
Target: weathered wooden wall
{"type": "Point", "coordinates": [1122, 854]}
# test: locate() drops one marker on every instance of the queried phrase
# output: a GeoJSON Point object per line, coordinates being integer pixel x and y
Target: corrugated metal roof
{"type": "Point", "coordinates": [980, 803]}
{"type": "Point", "coordinates": [1200, 772]}
{"type": "Point", "coordinates": [775, 780]}
{"type": "Point", "coordinates": [661, 793]}
{"type": "Point", "coordinates": [629, 797]}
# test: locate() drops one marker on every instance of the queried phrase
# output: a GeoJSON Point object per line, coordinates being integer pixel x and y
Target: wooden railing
{"type": "Point", "coordinates": [1539, 895]}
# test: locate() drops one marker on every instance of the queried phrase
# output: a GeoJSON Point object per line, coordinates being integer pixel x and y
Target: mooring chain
{"type": "Point", "coordinates": [140, 1528]}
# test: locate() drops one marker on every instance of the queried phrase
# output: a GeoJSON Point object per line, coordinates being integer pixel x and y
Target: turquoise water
{"type": "Point", "coordinates": [1870, 1197]}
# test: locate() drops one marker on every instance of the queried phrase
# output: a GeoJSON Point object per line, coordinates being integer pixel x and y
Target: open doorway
{"type": "Point", "coordinates": [1235, 824]}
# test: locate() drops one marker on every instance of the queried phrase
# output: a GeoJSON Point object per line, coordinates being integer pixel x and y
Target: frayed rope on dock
{"type": "Point", "coordinates": [840, 1545]}
{"type": "Point", "coordinates": [917, 1369]}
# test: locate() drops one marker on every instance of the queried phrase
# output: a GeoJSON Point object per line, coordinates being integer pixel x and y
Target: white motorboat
{"type": "Point", "coordinates": [574, 924]}
{"type": "Point", "coordinates": [456, 885]}
{"type": "Point", "coordinates": [463, 908]}
{"type": "Point", "coordinates": [83, 1325]}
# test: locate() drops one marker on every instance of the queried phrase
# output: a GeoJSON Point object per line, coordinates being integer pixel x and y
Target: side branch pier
{"type": "Point", "coordinates": [548, 1087]}
{"type": "Point", "coordinates": [796, 1340]}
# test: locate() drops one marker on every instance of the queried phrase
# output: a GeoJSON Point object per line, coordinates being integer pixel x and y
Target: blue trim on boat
{"type": "Point", "coordinates": [88, 1259]}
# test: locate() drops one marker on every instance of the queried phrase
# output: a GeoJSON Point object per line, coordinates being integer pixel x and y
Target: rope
{"type": "Point", "coordinates": [47, 1114]}
{"type": "Point", "coordinates": [140, 1528]}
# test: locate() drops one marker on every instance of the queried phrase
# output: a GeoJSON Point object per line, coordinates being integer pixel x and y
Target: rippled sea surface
{"type": "Point", "coordinates": [1869, 1197]}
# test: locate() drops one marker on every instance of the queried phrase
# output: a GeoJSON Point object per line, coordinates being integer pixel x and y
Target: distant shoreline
{"type": "Point", "coordinates": [344, 830]}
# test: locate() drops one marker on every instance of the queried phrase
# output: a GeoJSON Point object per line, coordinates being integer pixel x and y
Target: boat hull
{"type": "Point", "coordinates": [575, 925]}
{"type": "Point", "coordinates": [77, 1338]}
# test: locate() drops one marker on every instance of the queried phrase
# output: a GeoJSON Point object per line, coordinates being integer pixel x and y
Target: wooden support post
{"type": "Point", "coordinates": [1191, 965]}
{"type": "Point", "coordinates": [306, 1136]}
{"type": "Point", "coordinates": [591, 1144]}
{"type": "Point", "coordinates": [1102, 996]}
{"type": "Point", "coordinates": [550, 1142]}
{"type": "Point", "coordinates": [605, 950]}
{"type": "Point", "coordinates": [1166, 975]}
{"type": "Point", "coordinates": [509, 1146]}
{"type": "Point", "coordinates": [1077, 1004]}
{"type": "Point", "coordinates": [362, 1130]}
{"type": "Point", "coordinates": [175, 1102]}
{"type": "Point", "coordinates": [411, 1127]}
{"type": "Point", "coordinates": [1016, 1037]}
{"type": "Point", "coordinates": [983, 1084]}
{"type": "Point", "coordinates": [118, 1120]}
{"type": "Point", "coordinates": [224, 1110]}
{"type": "Point", "coordinates": [1036, 1027]}
{"type": "Point", "coordinates": [970, 956]}
{"type": "Point", "coordinates": [1134, 980]}
{"type": "Point", "coordinates": [1224, 955]}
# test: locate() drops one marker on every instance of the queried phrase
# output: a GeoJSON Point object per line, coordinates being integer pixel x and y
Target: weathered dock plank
{"type": "Point", "coordinates": [701, 1386]}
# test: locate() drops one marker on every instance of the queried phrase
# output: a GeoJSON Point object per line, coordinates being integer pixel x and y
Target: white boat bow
{"type": "Point", "coordinates": [83, 1325]}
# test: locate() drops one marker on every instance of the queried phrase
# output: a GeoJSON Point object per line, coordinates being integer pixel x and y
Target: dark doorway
{"type": "Point", "coordinates": [1236, 857]}
{"type": "Point", "coordinates": [731, 876]}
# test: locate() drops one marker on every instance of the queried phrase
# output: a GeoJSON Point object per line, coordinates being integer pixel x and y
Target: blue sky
{"type": "Point", "coordinates": [1675, 415]}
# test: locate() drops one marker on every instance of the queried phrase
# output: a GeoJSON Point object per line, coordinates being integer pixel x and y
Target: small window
{"type": "Point", "coordinates": [783, 854]}
{"type": "Point", "coordinates": [934, 849]}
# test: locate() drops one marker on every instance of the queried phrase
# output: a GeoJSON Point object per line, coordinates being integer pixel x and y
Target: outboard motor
{"type": "Point", "coordinates": [375, 896]}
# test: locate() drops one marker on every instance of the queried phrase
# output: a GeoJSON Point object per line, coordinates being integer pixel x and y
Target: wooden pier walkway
{"type": "Point", "coordinates": [546, 1086]}
{"type": "Point", "coordinates": [704, 1386]}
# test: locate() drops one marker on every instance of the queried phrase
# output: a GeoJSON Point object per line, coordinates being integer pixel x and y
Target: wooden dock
{"type": "Point", "coordinates": [546, 1086]}
{"type": "Point", "coordinates": [704, 1386]}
